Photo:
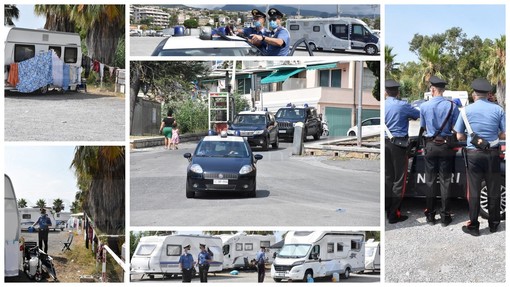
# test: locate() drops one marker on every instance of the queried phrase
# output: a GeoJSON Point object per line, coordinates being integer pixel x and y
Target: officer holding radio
{"type": "Point", "coordinates": [397, 115]}
{"type": "Point", "coordinates": [279, 41]}
{"type": "Point", "coordinates": [484, 123]}
{"type": "Point", "coordinates": [437, 117]}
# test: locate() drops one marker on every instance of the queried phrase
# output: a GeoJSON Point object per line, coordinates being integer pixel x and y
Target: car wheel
{"type": "Point", "coordinates": [347, 273]}
{"type": "Point", "coordinates": [371, 49]}
{"type": "Point", "coordinates": [253, 192]}
{"type": "Point", "coordinates": [308, 272]}
{"type": "Point", "coordinates": [277, 279]}
{"type": "Point", "coordinates": [189, 193]}
{"type": "Point", "coordinates": [317, 136]}
{"type": "Point", "coordinates": [276, 143]}
{"type": "Point", "coordinates": [484, 202]}
{"type": "Point", "coordinates": [352, 134]}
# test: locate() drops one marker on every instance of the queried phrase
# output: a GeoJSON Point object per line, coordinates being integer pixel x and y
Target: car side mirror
{"type": "Point", "coordinates": [188, 156]}
{"type": "Point", "coordinates": [258, 157]}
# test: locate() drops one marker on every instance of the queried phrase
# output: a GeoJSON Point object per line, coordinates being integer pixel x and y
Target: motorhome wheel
{"type": "Point", "coordinates": [312, 46]}
{"type": "Point", "coordinates": [371, 49]}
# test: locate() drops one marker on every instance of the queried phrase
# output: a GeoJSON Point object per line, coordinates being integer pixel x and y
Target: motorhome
{"type": "Point", "coordinates": [372, 255]}
{"type": "Point", "coordinates": [319, 254]}
{"type": "Point", "coordinates": [333, 34]}
{"type": "Point", "coordinates": [29, 215]}
{"type": "Point", "coordinates": [159, 255]}
{"type": "Point", "coordinates": [12, 231]}
{"type": "Point", "coordinates": [22, 44]}
{"type": "Point", "coordinates": [240, 249]}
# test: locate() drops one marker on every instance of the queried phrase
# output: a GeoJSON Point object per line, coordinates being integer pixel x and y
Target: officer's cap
{"type": "Point", "coordinates": [202, 245]}
{"type": "Point", "coordinates": [274, 13]}
{"type": "Point", "coordinates": [481, 85]}
{"type": "Point", "coordinates": [256, 13]}
{"type": "Point", "coordinates": [437, 82]}
{"type": "Point", "coordinates": [187, 247]}
{"type": "Point", "coordinates": [391, 85]}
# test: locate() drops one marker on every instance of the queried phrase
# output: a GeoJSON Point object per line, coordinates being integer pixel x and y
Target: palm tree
{"type": "Point", "coordinates": [58, 205]}
{"type": "Point", "coordinates": [430, 58]}
{"type": "Point", "coordinates": [389, 60]}
{"type": "Point", "coordinates": [41, 203]}
{"type": "Point", "coordinates": [495, 66]}
{"type": "Point", "coordinates": [11, 12]}
{"type": "Point", "coordinates": [22, 203]}
{"type": "Point", "coordinates": [58, 17]}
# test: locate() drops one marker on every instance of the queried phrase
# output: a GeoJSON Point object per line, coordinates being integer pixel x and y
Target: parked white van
{"type": "Point", "coordinates": [159, 255]}
{"type": "Point", "coordinates": [319, 254]}
{"type": "Point", "coordinates": [240, 249]}
{"type": "Point", "coordinates": [12, 231]}
{"type": "Point", "coordinates": [372, 255]}
{"type": "Point", "coordinates": [22, 44]}
{"type": "Point", "coordinates": [334, 34]}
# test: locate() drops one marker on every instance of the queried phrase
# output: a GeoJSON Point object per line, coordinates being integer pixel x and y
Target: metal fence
{"type": "Point", "coordinates": [146, 118]}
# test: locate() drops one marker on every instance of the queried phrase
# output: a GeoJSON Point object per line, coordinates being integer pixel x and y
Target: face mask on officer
{"type": "Point", "coordinates": [257, 23]}
{"type": "Point", "coordinates": [273, 24]}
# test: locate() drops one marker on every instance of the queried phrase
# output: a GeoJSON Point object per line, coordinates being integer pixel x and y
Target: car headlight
{"type": "Point", "coordinates": [297, 263]}
{"type": "Point", "coordinates": [259, 132]}
{"type": "Point", "coordinates": [196, 168]}
{"type": "Point", "coordinates": [246, 169]}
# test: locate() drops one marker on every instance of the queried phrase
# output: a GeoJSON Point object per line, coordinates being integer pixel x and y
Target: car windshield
{"type": "Point", "coordinates": [237, 149]}
{"type": "Point", "coordinates": [239, 51]}
{"type": "Point", "coordinates": [294, 250]}
{"type": "Point", "coordinates": [250, 120]}
{"type": "Point", "coordinates": [291, 113]}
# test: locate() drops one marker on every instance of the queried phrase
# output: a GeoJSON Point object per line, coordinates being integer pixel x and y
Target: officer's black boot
{"type": "Point", "coordinates": [471, 229]}
{"type": "Point", "coordinates": [446, 219]}
{"type": "Point", "coordinates": [431, 217]}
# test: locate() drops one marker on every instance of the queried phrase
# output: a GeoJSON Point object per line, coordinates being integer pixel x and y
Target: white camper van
{"type": "Point", "coordinates": [372, 255]}
{"type": "Point", "coordinates": [159, 255]}
{"type": "Point", "coordinates": [29, 215]}
{"type": "Point", "coordinates": [319, 254]}
{"type": "Point", "coordinates": [12, 231]}
{"type": "Point", "coordinates": [22, 44]}
{"type": "Point", "coordinates": [334, 34]}
{"type": "Point", "coordinates": [240, 249]}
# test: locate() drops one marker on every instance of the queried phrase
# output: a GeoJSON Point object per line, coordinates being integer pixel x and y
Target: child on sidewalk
{"type": "Point", "coordinates": [175, 136]}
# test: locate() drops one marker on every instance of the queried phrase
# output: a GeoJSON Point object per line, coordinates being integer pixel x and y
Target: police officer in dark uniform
{"type": "Point", "coordinates": [204, 259]}
{"type": "Point", "coordinates": [437, 117]}
{"type": "Point", "coordinates": [487, 121]}
{"type": "Point", "coordinates": [186, 264]}
{"type": "Point", "coordinates": [279, 41]}
{"type": "Point", "coordinates": [397, 115]}
{"type": "Point", "coordinates": [259, 28]}
{"type": "Point", "coordinates": [44, 223]}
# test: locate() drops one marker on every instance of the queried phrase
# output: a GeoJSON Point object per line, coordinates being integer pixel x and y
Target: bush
{"type": "Point", "coordinates": [191, 115]}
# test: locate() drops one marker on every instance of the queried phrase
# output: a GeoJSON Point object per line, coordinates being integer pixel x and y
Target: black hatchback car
{"type": "Point", "coordinates": [222, 163]}
{"type": "Point", "coordinates": [416, 179]}
{"type": "Point", "coordinates": [259, 128]}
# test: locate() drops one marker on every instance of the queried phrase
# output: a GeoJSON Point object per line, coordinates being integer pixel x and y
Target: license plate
{"type": "Point", "coordinates": [220, 181]}
{"type": "Point", "coordinates": [282, 131]}
{"type": "Point", "coordinates": [280, 274]}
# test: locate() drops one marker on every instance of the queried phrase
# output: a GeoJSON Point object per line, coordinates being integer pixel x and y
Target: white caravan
{"type": "Point", "coordinates": [29, 215]}
{"type": "Point", "coordinates": [22, 44]}
{"type": "Point", "coordinates": [372, 255]}
{"type": "Point", "coordinates": [319, 254]}
{"type": "Point", "coordinates": [12, 231]}
{"type": "Point", "coordinates": [240, 249]}
{"type": "Point", "coordinates": [334, 34]}
{"type": "Point", "coordinates": [159, 255]}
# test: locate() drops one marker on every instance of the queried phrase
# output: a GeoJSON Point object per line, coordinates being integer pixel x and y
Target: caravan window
{"type": "Point", "coordinates": [294, 27]}
{"type": "Point", "coordinates": [339, 30]}
{"type": "Point", "coordinates": [239, 247]}
{"type": "Point", "coordinates": [145, 249]}
{"type": "Point", "coordinates": [265, 244]}
{"type": "Point", "coordinates": [355, 245]}
{"type": "Point", "coordinates": [226, 249]}
{"type": "Point", "coordinates": [26, 216]}
{"type": "Point", "coordinates": [339, 247]}
{"type": "Point", "coordinates": [173, 250]}
{"type": "Point", "coordinates": [248, 246]}
{"type": "Point", "coordinates": [70, 55]}
{"type": "Point", "coordinates": [316, 28]}
{"type": "Point", "coordinates": [57, 49]}
{"type": "Point", "coordinates": [23, 52]}
{"type": "Point", "coordinates": [331, 247]}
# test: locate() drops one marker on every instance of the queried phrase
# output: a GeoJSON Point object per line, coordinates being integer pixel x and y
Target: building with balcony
{"type": "Point", "coordinates": [158, 16]}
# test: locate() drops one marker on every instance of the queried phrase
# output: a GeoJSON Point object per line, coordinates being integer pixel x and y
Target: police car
{"type": "Point", "coordinates": [288, 116]}
{"type": "Point", "coordinates": [258, 127]}
{"type": "Point", "coordinates": [416, 186]}
{"type": "Point", "coordinates": [207, 43]}
{"type": "Point", "coordinates": [222, 163]}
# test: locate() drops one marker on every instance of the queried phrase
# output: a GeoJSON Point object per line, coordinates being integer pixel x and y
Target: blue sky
{"type": "Point", "coordinates": [41, 172]}
{"type": "Point", "coordinates": [27, 18]}
{"type": "Point", "coordinates": [403, 21]}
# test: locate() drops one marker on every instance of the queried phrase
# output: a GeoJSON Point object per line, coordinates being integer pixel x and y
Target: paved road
{"type": "Point", "coordinates": [64, 117]}
{"type": "Point", "coordinates": [247, 276]}
{"type": "Point", "coordinates": [418, 252]}
{"type": "Point", "coordinates": [144, 46]}
{"type": "Point", "coordinates": [291, 191]}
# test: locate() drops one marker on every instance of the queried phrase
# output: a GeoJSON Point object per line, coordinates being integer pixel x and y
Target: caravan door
{"type": "Point", "coordinates": [337, 37]}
